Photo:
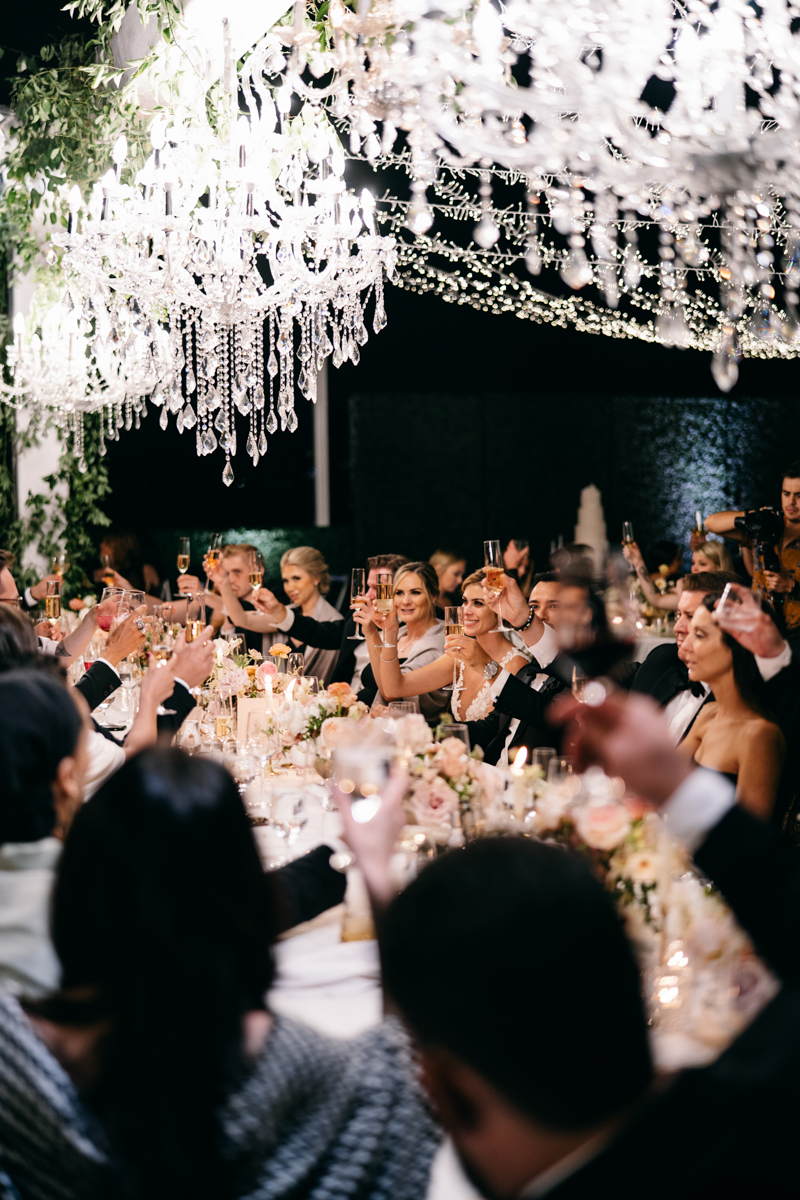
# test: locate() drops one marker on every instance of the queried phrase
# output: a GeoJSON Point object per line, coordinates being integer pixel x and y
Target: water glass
{"type": "Point", "coordinates": [541, 757]}
{"type": "Point", "coordinates": [243, 768]}
{"type": "Point", "coordinates": [189, 738]}
{"type": "Point", "coordinates": [311, 683]}
{"type": "Point", "coordinates": [560, 769]}
{"type": "Point", "coordinates": [295, 663]}
{"type": "Point", "coordinates": [453, 729]}
{"type": "Point", "coordinates": [402, 708]}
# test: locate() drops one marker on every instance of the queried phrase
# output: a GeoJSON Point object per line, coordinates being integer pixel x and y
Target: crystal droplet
{"type": "Point", "coordinates": [302, 380]}
{"type": "Point", "coordinates": [284, 344]}
{"type": "Point", "coordinates": [51, 258]}
{"type": "Point", "coordinates": [83, 466]}
{"type": "Point", "coordinates": [533, 259]}
{"type": "Point", "coordinates": [262, 444]}
{"type": "Point", "coordinates": [258, 397]}
{"type": "Point", "coordinates": [191, 382]}
{"type": "Point", "coordinates": [201, 405]}
{"type": "Point", "coordinates": [272, 421]}
{"type": "Point", "coordinates": [189, 419]}
{"type": "Point", "coordinates": [632, 273]}
{"type": "Point", "coordinates": [723, 365]}
{"type": "Point", "coordinates": [291, 420]}
{"type": "Point", "coordinates": [157, 394]}
{"type": "Point", "coordinates": [379, 320]}
{"type": "Point", "coordinates": [213, 400]}
{"type": "Point", "coordinates": [226, 441]}
{"type": "Point", "coordinates": [163, 420]}
{"type": "Point", "coordinates": [220, 421]}
{"type": "Point", "coordinates": [362, 336]}
{"type": "Point", "coordinates": [304, 353]}
{"type": "Point", "coordinates": [272, 365]}
{"type": "Point", "coordinates": [227, 474]}
{"type": "Point", "coordinates": [576, 270]}
{"type": "Point", "coordinates": [251, 447]}
{"type": "Point", "coordinates": [179, 422]}
{"type": "Point", "coordinates": [355, 354]}
{"type": "Point", "coordinates": [208, 442]}
{"type": "Point", "coordinates": [239, 386]}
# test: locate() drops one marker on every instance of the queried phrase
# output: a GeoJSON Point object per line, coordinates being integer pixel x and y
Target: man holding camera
{"type": "Point", "coordinates": [774, 539]}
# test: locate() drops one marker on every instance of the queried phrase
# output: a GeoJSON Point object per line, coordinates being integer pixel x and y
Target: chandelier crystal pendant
{"type": "Point", "coordinates": [239, 254]}
{"type": "Point", "coordinates": [660, 143]}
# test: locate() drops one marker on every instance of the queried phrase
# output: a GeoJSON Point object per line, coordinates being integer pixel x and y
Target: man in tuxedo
{"type": "Point", "coordinates": [552, 1092]}
{"type": "Point", "coordinates": [234, 562]}
{"type": "Point", "coordinates": [334, 635]}
{"type": "Point", "coordinates": [520, 701]}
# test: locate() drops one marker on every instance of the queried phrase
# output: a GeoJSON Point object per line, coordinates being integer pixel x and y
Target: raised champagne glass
{"type": "Point", "coordinates": [384, 602]}
{"type": "Point", "coordinates": [494, 569]}
{"type": "Point", "coordinates": [255, 567]}
{"type": "Point", "coordinates": [195, 618]}
{"type": "Point", "coordinates": [358, 588]}
{"type": "Point", "coordinates": [453, 627]}
{"type": "Point", "coordinates": [108, 571]}
{"type": "Point", "coordinates": [213, 555]}
{"type": "Point", "coordinates": [52, 600]}
{"type": "Point", "coordinates": [108, 608]}
{"type": "Point", "coordinates": [59, 564]}
{"type": "Point", "coordinates": [627, 533]}
{"type": "Point", "coordinates": [184, 555]}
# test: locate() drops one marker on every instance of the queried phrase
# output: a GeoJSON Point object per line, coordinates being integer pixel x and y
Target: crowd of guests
{"type": "Point", "coordinates": [138, 1053]}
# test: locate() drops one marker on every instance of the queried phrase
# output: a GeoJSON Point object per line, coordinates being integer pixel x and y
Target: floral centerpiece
{"type": "Point", "coordinates": [444, 779]}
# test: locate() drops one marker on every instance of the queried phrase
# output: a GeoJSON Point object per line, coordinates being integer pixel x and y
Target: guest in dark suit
{"type": "Point", "coordinates": [524, 934]}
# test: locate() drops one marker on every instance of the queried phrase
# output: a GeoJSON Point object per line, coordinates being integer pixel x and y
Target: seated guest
{"type": "Point", "coordinates": [732, 733]}
{"type": "Point", "coordinates": [708, 556]}
{"type": "Point", "coordinates": [511, 921]}
{"type": "Point", "coordinates": [353, 650]}
{"type": "Point", "coordinates": [234, 572]}
{"type": "Point", "coordinates": [9, 593]}
{"type": "Point", "coordinates": [471, 698]}
{"type": "Point", "coordinates": [415, 643]}
{"type": "Point", "coordinates": [123, 550]}
{"type": "Point", "coordinates": [157, 1069]}
{"type": "Point", "coordinates": [449, 567]}
{"type": "Point", "coordinates": [306, 581]}
{"type": "Point", "coordinates": [68, 647]}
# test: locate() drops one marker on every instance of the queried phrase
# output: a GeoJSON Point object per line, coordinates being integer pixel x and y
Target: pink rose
{"type": "Point", "coordinates": [602, 826]}
{"type": "Point", "coordinates": [433, 802]}
{"type": "Point", "coordinates": [267, 668]}
{"type": "Point", "coordinates": [452, 757]}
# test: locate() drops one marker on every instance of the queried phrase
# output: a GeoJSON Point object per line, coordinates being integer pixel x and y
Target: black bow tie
{"type": "Point", "coordinates": [696, 687]}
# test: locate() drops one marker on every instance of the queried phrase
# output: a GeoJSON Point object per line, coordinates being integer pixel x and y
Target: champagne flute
{"type": "Point", "coordinates": [213, 556]}
{"type": "Point", "coordinates": [108, 571]}
{"type": "Point", "coordinates": [453, 627]}
{"type": "Point", "coordinates": [255, 566]}
{"type": "Point", "coordinates": [108, 607]}
{"type": "Point", "coordinates": [195, 617]}
{"type": "Point", "coordinates": [184, 555]}
{"type": "Point", "coordinates": [627, 532]}
{"type": "Point", "coordinates": [494, 571]}
{"type": "Point", "coordinates": [52, 602]}
{"type": "Point", "coordinates": [384, 602]}
{"type": "Point", "coordinates": [358, 588]}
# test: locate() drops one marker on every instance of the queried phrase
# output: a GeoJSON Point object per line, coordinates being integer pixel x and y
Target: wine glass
{"type": "Point", "coordinates": [244, 769]}
{"type": "Point", "coordinates": [627, 532]}
{"type": "Point", "coordinates": [108, 608]}
{"type": "Point", "coordinates": [402, 708]}
{"type": "Point", "coordinates": [311, 683]}
{"type": "Point", "coordinates": [494, 569]}
{"type": "Point", "coordinates": [134, 600]}
{"type": "Point", "coordinates": [579, 682]}
{"type": "Point", "coordinates": [255, 568]}
{"type": "Point", "coordinates": [384, 602]}
{"type": "Point", "coordinates": [541, 757]}
{"type": "Point", "coordinates": [358, 588]}
{"type": "Point", "coordinates": [195, 617]}
{"type": "Point", "coordinates": [295, 663]}
{"type": "Point", "coordinates": [738, 611]}
{"type": "Point", "coordinates": [108, 570]}
{"type": "Point", "coordinates": [453, 627]}
{"type": "Point", "coordinates": [453, 729]}
{"type": "Point", "coordinates": [560, 770]}
{"type": "Point", "coordinates": [58, 564]}
{"type": "Point", "coordinates": [184, 555]}
{"type": "Point", "coordinates": [288, 814]}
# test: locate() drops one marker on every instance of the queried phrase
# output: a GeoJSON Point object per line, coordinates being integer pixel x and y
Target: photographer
{"type": "Point", "coordinates": [774, 539]}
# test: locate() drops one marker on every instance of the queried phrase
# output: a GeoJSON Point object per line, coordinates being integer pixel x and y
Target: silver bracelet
{"type": "Point", "coordinates": [388, 660]}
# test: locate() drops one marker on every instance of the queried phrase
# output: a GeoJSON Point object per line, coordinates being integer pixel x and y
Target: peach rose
{"type": "Point", "coordinates": [279, 650]}
{"type": "Point", "coordinates": [339, 689]}
{"type": "Point", "coordinates": [602, 826]}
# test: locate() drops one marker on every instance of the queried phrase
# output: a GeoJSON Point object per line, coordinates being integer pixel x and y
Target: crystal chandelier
{"type": "Point", "coordinates": [235, 241]}
{"type": "Point", "coordinates": [658, 144]}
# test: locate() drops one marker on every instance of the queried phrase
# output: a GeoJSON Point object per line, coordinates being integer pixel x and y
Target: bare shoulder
{"type": "Point", "coordinates": [706, 715]}
{"type": "Point", "coordinates": [758, 732]}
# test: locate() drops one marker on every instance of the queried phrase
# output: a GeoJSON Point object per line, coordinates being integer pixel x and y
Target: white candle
{"type": "Point", "coordinates": [518, 783]}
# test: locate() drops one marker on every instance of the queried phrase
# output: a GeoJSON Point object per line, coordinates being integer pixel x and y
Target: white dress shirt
{"type": "Point", "coordinates": [545, 650]}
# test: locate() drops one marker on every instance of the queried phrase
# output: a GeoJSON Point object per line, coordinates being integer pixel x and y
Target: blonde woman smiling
{"type": "Point", "coordinates": [306, 581]}
{"type": "Point", "coordinates": [471, 698]}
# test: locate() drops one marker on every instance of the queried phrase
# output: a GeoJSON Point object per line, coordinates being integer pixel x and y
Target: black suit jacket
{"type": "Point", "coordinates": [662, 675]}
{"type": "Point", "coordinates": [518, 699]}
{"type": "Point", "coordinates": [729, 1129]}
{"type": "Point", "coordinates": [98, 683]}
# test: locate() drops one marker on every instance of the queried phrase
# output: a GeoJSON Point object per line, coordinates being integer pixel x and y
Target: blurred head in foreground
{"type": "Point", "coordinates": [511, 967]}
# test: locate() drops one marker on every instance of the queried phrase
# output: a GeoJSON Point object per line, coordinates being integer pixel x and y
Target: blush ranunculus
{"type": "Point", "coordinates": [602, 826]}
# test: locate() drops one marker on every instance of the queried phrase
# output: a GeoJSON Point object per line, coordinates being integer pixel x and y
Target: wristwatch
{"type": "Point", "coordinates": [490, 670]}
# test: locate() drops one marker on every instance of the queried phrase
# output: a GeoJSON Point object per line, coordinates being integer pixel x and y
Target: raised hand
{"type": "Point", "coordinates": [270, 605]}
{"type": "Point", "coordinates": [467, 650]}
{"type": "Point", "coordinates": [127, 638]}
{"type": "Point", "coordinates": [195, 662]}
{"type": "Point", "coordinates": [509, 604]}
{"type": "Point", "coordinates": [749, 625]}
{"type": "Point", "coordinates": [191, 584]}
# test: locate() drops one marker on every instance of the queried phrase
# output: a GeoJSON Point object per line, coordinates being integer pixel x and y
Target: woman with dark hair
{"type": "Point", "coordinates": [733, 733]}
{"type": "Point", "coordinates": [157, 1071]}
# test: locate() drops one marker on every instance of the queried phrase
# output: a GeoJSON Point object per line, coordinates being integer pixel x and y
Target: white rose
{"type": "Point", "coordinates": [413, 731]}
{"type": "Point", "coordinates": [641, 867]}
{"type": "Point", "coordinates": [551, 808]}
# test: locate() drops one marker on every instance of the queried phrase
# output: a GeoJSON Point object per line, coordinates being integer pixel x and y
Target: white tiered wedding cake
{"type": "Point", "coordinates": [591, 527]}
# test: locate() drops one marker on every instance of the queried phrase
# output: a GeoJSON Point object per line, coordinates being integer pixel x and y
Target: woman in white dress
{"type": "Point", "coordinates": [306, 580]}
{"type": "Point", "coordinates": [471, 699]}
